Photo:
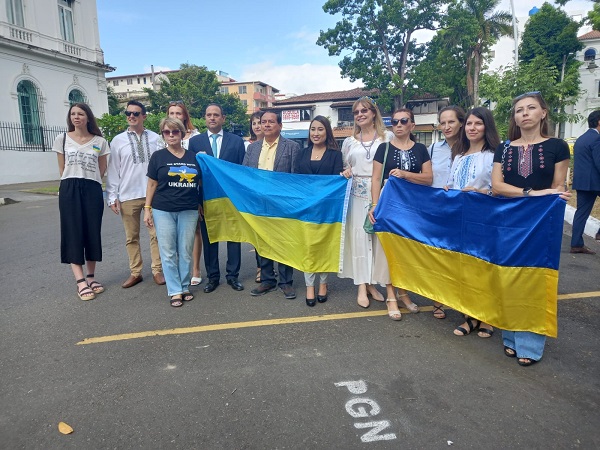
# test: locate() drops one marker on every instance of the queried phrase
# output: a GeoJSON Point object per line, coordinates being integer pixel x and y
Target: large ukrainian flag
{"type": "Point", "coordinates": [294, 219]}
{"type": "Point", "coordinates": [495, 259]}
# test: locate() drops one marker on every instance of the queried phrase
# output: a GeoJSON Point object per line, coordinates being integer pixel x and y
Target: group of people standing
{"type": "Point", "coordinates": [160, 176]}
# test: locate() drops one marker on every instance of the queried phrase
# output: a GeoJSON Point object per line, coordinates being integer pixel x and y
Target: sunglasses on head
{"type": "Point", "coordinates": [135, 113]}
{"type": "Point", "coordinates": [176, 102]}
{"type": "Point", "coordinates": [403, 121]}
{"type": "Point", "coordinates": [527, 94]}
{"type": "Point", "coordinates": [175, 132]}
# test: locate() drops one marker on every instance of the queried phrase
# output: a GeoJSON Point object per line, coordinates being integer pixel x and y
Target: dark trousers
{"type": "Point", "coordinates": [211, 257]}
{"type": "Point", "coordinates": [585, 203]}
{"type": "Point", "coordinates": [81, 206]}
{"type": "Point", "coordinates": [286, 273]}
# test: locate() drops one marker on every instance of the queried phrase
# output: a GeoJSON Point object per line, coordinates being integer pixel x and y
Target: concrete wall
{"type": "Point", "coordinates": [26, 167]}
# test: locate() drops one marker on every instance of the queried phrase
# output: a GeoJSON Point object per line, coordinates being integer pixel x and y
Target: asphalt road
{"type": "Point", "coordinates": [269, 373]}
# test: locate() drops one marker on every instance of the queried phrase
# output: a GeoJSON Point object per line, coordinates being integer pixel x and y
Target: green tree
{"type": "Point", "coordinates": [474, 27]}
{"type": "Point", "coordinates": [377, 36]}
{"type": "Point", "coordinates": [197, 87]}
{"type": "Point", "coordinates": [593, 17]}
{"type": "Point", "coordinates": [538, 74]}
{"type": "Point", "coordinates": [113, 102]}
{"type": "Point", "coordinates": [552, 34]}
{"type": "Point", "coordinates": [111, 125]}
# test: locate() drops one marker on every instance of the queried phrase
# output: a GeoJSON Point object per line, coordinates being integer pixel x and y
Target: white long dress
{"type": "Point", "coordinates": [358, 246]}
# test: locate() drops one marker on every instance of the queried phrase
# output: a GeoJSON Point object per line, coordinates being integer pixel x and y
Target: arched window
{"type": "Point", "coordinates": [76, 96]}
{"type": "Point", "coordinates": [29, 109]}
{"type": "Point", "coordinates": [589, 55]}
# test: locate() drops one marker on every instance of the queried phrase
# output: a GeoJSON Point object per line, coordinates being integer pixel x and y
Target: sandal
{"type": "Point", "coordinates": [187, 296]}
{"type": "Point", "coordinates": [473, 325]}
{"type": "Point", "coordinates": [485, 332]}
{"type": "Point", "coordinates": [373, 292]}
{"type": "Point", "coordinates": [510, 352]}
{"type": "Point", "coordinates": [196, 281]}
{"type": "Point", "coordinates": [257, 279]}
{"type": "Point", "coordinates": [176, 302]}
{"type": "Point", "coordinates": [438, 312]}
{"type": "Point", "coordinates": [526, 362]}
{"type": "Point", "coordinates": [412, 307]}
{"type": "Point", "coordinates": [394, 314]}
{"type": "Point", "coordinates": [86, 292]}
{"type": "Point", "coordinates": [95, 285]}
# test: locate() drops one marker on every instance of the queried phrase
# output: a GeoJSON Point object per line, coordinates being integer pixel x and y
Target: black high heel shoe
{"type": "Point", "coordinates": [311, 302]}
{"type": "Point", "coordinates": [322, 298]}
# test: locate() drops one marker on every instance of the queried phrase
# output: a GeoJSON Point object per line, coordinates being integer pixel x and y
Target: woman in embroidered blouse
{"type": "Point", "coordinates": [82, 160]}
{"type": "Point", "coordinates": [472, 171]}
{"type": "Point", "coordinates": [321, 157]}
{"type": "Point", "coordinates": [409, 160]}
{"type": "Point", "coordinates": [358, 151]}
{"type": "Point", "coordinates": [532, 165]}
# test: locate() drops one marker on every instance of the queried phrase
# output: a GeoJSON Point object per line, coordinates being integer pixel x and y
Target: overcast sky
{"type": "Point", "coordinates": [271, 41]}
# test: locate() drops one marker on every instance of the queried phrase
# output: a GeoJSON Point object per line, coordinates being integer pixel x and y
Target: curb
{"type": "Point", "coordinates": [591, 226]}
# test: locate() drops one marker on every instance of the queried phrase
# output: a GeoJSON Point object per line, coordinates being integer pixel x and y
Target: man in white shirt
{"type": "Point", "coordinates": [126, 189]}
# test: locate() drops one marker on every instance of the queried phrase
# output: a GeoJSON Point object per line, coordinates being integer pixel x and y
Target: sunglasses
{"type": "Point", "coordinates": [171, 132]}
{"type": "Point", "coordinates": [360, 111]}
{"type": "Point", "coordinates": [135, 113]}
{"type": "Point", "coordinates": [527, 94]}
{"type": "Point", "coordinates": [403, 121]}
{"type": "Point", "coordinates": [176, 102]}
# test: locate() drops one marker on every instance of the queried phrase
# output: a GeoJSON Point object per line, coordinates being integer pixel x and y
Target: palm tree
{"type": "Point", "coordinates": [488, 26]}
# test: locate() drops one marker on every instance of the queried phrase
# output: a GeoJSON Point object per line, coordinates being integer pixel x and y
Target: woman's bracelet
{"type": "Point", "coordinates": [147, 207]}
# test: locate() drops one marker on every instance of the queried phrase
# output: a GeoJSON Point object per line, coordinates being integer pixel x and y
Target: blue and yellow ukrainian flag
{"type": "Point", "coordinates": [495, 259]}
{"type": "Point", "coordinates": [294, 219]}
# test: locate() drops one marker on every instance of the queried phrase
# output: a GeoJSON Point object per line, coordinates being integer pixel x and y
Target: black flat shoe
{"type": "Point", "coordinates": [322, 298]}
{"type": "Point", "coordinates": [311, 302]}
{"type": "Point", "coordinates": [526, 362]}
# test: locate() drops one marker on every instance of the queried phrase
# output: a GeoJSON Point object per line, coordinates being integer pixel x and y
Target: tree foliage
{"type": "Point", "coordinates": [551, 33]}
{"type": "Point", "coordinates": [197, 87]}
{"type": "Point", "coordinates": [538, 74]}
{"type": "Point", "coordinates": [377, 37]}
{"type": "Point", "coordinates": [113, 102]}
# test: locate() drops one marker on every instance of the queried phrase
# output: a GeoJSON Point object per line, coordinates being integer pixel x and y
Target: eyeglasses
{"type": "Point", "coordinates": [360, 111]}
{"type": "Point", "coordinates": [403, 121]}
{"type": "Point", "coordinates": [176, 102]}
{"type": "Point", "coordinates": [175, 132]}
{"type": "Point", "coordinates": [135, 113]}
{"type": "Point", "coordinates": [527, 94]}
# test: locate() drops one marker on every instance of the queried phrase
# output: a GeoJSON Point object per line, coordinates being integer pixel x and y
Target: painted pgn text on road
{"type": "Point", "coordinates": [361, 407]}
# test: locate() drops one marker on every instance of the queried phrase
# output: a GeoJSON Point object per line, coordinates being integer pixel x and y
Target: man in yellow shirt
{"type": "Point", "coordinates": [277, 154]}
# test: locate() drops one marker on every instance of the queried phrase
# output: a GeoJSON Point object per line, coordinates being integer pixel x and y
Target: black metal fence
{"type": "Point", "coordinates": [28, 138]}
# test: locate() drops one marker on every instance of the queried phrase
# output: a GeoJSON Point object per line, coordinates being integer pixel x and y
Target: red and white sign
{"type": "Point", "coordinates": [290, 116]}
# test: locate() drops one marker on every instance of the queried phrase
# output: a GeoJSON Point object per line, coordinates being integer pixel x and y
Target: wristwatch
{"type": "Point", "coordinates": [526, 191]}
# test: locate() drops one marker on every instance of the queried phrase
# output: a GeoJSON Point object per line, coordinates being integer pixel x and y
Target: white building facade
{"type": "Point", "coordinates": [50, 57]}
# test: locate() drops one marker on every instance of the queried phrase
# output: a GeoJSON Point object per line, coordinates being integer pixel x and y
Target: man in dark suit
{"type": "Point", "coordinates": [277, 154]}
{"type": "Point", "coordinates": [229, 147]}
{"type": "Point", "coordinates": [586, 179]}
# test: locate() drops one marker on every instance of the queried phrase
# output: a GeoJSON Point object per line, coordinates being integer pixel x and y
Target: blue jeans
{"type": "Point", "coordinates": [525, 343]}
{"type": "Point", "coordinates": [175, 233]}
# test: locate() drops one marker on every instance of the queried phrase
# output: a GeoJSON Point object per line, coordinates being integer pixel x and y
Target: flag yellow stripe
{"type": "Point", "coordinates": [511, 298]}
{"type": "Point", "coordinates": [279, 239]}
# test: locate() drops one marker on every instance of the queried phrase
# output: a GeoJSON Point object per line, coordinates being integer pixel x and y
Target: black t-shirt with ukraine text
{"type": "Point", "coordinates": [177, 179]}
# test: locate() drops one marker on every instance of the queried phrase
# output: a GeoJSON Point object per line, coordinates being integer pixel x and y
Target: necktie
{"type": "Point", "coordinates": [215, 148]}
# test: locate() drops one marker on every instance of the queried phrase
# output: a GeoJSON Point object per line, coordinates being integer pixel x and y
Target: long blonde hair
{"type": "Point", "coordinates": [369, 103]}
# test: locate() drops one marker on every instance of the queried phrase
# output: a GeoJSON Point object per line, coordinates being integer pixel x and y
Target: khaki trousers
{"type": "Point", "coordinates": [131, 213]}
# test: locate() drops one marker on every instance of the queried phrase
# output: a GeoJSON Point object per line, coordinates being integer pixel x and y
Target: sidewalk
{"type": "Point", "coordinates": [12, 193]}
